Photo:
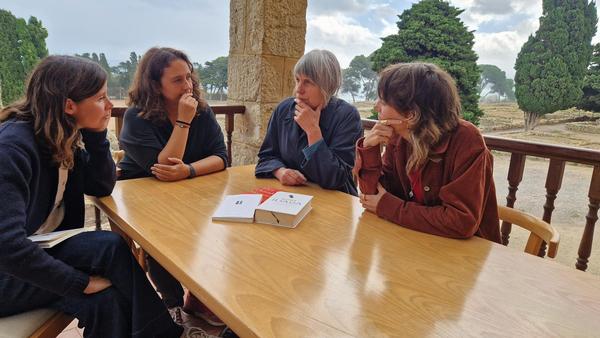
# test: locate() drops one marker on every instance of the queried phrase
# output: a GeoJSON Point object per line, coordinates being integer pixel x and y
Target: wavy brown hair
{"type": "Point", "coordinates": [430, 93]}
{"type": "Point", "coordinates": [54, 80]}
{"type": "Point", "coordinates": [145, 91]}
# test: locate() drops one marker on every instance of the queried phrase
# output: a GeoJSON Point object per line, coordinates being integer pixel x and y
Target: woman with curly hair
{"type": "Point", "coordinates": [170, 133]}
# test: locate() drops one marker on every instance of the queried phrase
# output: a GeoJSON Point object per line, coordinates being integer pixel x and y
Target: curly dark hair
{"type": "Point", "coordinates": [145, 93]}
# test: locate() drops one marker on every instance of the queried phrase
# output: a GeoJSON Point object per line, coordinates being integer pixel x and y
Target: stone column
{"type": "Point", "coordinates": [266, 40]}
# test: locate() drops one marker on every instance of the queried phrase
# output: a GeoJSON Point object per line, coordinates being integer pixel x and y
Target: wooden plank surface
{"type": "Point", "coordinates": [345, 272]}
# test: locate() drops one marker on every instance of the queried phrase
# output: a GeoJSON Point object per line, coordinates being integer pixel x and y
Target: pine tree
{"type": "Point", "coordinates": [591, 84]}
{"type": "Point", "coordinates": [494, 80]}
{"type": "Point", "coordinates": [552, 63]}
{"type": "Point", "coordinates": [431, 31]}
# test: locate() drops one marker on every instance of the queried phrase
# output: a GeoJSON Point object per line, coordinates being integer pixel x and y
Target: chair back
{"type": "Point", "coordinates": [540, 231]}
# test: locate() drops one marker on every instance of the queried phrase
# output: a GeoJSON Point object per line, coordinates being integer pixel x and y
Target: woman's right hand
{"type": "Point", "coordinates": [289, 176]}
{"type": "Point", "coordinates": [381, 133]}
{"type": "Point", "coordinates": [186, 109]}
{"type": "Point", "coordinates": [96, 284]}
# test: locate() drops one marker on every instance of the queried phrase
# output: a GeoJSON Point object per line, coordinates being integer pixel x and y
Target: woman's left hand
{"type": "Point", "coordinates": [306, 117]}
{"type": "Point", "coordinates": [370, 202]}
{"type": "Point", "coordinates": [169, 173]}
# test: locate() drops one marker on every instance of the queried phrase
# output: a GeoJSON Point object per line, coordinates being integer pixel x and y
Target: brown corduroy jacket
{"type": "Point", "coordinates": [457, 182]}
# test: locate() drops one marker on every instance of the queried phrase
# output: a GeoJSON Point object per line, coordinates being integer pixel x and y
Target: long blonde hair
{"type": "Point", "coordinates": [431, 94]}
{"type": "Point", "coordinates": [54, 80]}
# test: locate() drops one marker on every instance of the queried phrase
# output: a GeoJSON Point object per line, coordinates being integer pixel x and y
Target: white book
{"type": "Point", "coordinates": [48, 240]}
{"type": "Point", "coordinates": [237, 208]}
{"type": "Point", "coordinates": [284, 209]}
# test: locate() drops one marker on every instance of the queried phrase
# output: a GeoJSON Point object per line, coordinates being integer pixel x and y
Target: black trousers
{"type": "Point", "coordinates": [170, 289]}
{"type": "Point", "coordinates": [129, 308]}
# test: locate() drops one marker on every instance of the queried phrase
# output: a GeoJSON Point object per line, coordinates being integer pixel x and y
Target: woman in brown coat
{"type": "Point", "coordinates": [435, 175]}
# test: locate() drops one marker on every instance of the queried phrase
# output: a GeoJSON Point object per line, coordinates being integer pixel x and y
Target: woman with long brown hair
{"type": "Point", "coordinates": [170, 133]}
{"type": "Point", "coordinates": [54, 150]}
{"type": "Point", "coordinates": [435, 175]}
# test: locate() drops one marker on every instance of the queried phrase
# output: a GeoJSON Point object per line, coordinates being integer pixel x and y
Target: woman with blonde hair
{"type": "Point", "coordinates": [170, 133]}
{"type": "Point", "coordinates": [311, 136]}
{"type": "Point", "coordinates": [54, 150]}
{"type": "Point", "coordinates": [435, 175]}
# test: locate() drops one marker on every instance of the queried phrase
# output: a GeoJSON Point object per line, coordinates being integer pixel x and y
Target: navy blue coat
{"type": "Point", "coordinates": [331, 164]}
{"type": "Point", "coordinates": [28, 181]}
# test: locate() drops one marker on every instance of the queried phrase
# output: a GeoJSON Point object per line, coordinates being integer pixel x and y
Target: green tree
{"type": "Point", "coordinates": [431, 31]}
{"type": "Point", "coordinates": [213, 76]}
{"type": "Point", "coordinates": [493, 80]}
{"type": "Point", "coordinates": [350, 84]}
{"type": "Point", "coordinates": [591, 84]}
{"type": "Point", "coordinates": [359, 77]}
{"type": "Point", "coordinates": [114, 86]}
{"type": "Point", "coordinates": [22, 45]}
{"type": "Point", "coordinates": [124, 73]}
{"type": "Point", "coordinates": [552, 63]}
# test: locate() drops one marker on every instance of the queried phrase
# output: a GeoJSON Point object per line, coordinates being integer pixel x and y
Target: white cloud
{"type": "Point", "coordinates": [342, 35]}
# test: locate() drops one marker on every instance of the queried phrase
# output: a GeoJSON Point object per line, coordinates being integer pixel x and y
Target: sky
{"type": "Point", "coordinates": [201, 27]}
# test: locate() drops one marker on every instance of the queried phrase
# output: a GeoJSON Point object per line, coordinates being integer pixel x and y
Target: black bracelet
{"type": "Point", "coordinates": [192, 171]}
{"type": "Point", "coordinates": [183, 122]}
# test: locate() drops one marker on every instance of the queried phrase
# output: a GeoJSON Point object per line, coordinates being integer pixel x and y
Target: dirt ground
{"type": "Point", "coordinates": [571, 204]}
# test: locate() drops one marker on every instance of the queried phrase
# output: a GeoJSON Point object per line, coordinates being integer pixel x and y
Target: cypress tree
{"type": "Point", "coordinates": [431, 31]}
{"type": "Point", "coordinates": [591, 84]}
{"type": "Point", "coordinates": [22, 45]}
{"type": "Point", "coordinates": [552, 63]}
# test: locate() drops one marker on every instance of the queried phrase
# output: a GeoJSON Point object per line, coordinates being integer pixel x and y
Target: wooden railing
{"type": "Point", "coordinates": [558, 156]}
{"type": "Point", "coordinates": [228, 111]}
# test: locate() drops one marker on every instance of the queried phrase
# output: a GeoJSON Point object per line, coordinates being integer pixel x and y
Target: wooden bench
{"type": "Point", "coordinates": [40, 323]}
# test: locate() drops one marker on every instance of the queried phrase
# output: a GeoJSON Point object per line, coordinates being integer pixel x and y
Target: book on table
{"type": "Point", "coordinates": [266, 192]}
{"type": "Point", "coordinates": [48, 240]}
{"type": "Point", "coordinates": [283, 209]}
{"type": "Point", "coordinates": [237, 208]}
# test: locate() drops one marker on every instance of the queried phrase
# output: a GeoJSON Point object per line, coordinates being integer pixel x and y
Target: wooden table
{"type": "Point", "coordinates": [345, 272]}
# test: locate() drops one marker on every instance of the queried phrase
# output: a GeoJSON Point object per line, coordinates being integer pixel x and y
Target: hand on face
{"type": "Point", "coordinates": [383, 131]}
{"type": "Point", "coordinates": [171, 172]}
{"type": "Point", "coordinates": [306, 117]}
{"type": "Point", "coordinates": [186, 109]}
{"type": "Point", "coordinates": [289, 176]}
{"type": "Point", "coordinates": [370, 202]}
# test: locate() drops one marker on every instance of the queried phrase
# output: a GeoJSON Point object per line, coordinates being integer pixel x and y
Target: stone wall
{"type": "Point", "coordinates": [267, 38]}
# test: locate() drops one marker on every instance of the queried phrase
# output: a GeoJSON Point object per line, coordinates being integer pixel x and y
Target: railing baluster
{"type": "Point", "coordinates": [229, 131]}
{"type": "Point", "coordinates": [556, 170]}
{"type": "Point", "coordinates": [515, 176]}
{"type": "Point", "coordinates": [585, 246]}
{"type": "Point", "coordinates": [229, 112]}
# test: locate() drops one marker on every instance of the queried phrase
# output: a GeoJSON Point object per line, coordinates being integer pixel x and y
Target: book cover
{"type": "Point", "coordinates": [237, 208]}
{"type": "Point", "coordinates": [284, 209]}
{"type": "Point", "coordinates": [266, 192]}
{"type": "Point", "coordinates": [48, 240]}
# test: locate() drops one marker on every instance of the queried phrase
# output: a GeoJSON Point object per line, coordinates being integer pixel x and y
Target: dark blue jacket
{"type": "Point", "coordinates": [331, 164]}
{"type": "Point", "coordinates": [143, 140]}
{"type": "Point", "coordinates": [28, 182]}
